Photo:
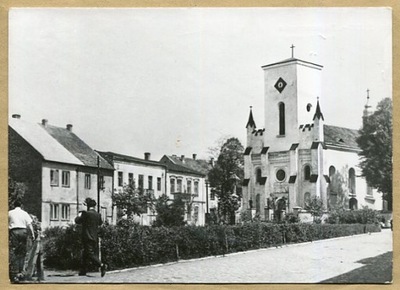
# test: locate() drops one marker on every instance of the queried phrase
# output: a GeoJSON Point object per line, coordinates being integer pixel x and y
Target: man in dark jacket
{"type": "Point", "coordinates": [90, 221]}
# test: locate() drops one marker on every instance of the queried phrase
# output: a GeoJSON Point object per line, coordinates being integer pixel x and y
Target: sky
{"type": "Point", "coordinates": [179, 80]}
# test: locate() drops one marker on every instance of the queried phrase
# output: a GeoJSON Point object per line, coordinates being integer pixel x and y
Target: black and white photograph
{"type": "Point", "coordinates": [200, 145]}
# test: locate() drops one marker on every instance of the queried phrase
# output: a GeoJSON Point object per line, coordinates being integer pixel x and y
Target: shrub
{"type": "Point", "coordinates": [128, 245]}
{"type": "Point", "coordinates": [361, 216]}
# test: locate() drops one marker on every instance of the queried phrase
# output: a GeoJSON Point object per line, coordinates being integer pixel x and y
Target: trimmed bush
{"type": "Point", "coordinates": [129, 245]}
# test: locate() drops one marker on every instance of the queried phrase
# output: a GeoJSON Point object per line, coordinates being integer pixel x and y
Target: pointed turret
{"type": "Point", "coordinates": [367, 107]}
{"type": "Point", "coordinates": [318, 114]}
{"type": "Point", "coordinates": [318, 124]}
{"type": "Point", "coordinates": [251, 122]}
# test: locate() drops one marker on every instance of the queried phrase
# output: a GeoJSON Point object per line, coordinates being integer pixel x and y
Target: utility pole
{"type": "Point", "coordinates": [98, 184]}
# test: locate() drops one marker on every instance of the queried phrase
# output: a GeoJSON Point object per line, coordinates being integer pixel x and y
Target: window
{"type": "Point", "coordinates": [141, 181]}
{"type": "Point", "coordinates": [87, 181]}
{"type": "Point", "coordinates": [258, 175]}
{"type": "Point", "coordinates": [189, 186]}
{"type": "Point", "coordinates": [281, 119]}
{"type": "Point", "coordinates": [120, 178]}
{"type": "Point", "coordinates": [196, 188]}
{"type": "Point", "coordinates": [159, 183]}
{"type": "Point", "coordinates": [130, 178]}
{"type": "Point", "coordinates": [212, 195]}
{"type": "Point", "coordinates": [280, 175]}
{"type": "Point", "coordinates": [103, 213]}
{"type": "Point", "coordinates": [54, 177]}
{"type": "Point", "coordinates": [54, 211]}
{"type": "Point", "coordinates": [352, 181]}
{"type": "Point", "coordinates": [101, 182]}
{"type": "Point", "coordinates": [65, 212]}
{"type": "Point", "coordinates": [307, 172]}
{"type": "Point", "coordinates": [196, 213]}
{"type": "Point", "coordinates": [172, 185]}
{"type": "Point", "coordinates": [179, 185]}
{"type": "Point", "coordinates": [65, 178]}
{"type": "Point", "coordinates": [332, 171]}
{"type": "Point", "coordinates": [150, 180]}
{"type": "Point", "coordinates": [369, 190]}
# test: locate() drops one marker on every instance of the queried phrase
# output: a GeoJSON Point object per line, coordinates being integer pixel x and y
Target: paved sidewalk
{"type": "Point", "coordinates": [298, 263]}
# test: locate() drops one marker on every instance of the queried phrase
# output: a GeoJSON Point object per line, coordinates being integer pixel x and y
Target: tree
{"type": "Point", "coordinates": [135, 201]}
{"type": "Point", "coordinates": [316, 207]}
{"type": "Point", "coordinates": [375, 142]}
{"type": "Point", "coordinates": [225, 179]}
{"type": "Point", "coordinates": [169, 213]}
{"type": "Point", "coordinates": [16, 191]}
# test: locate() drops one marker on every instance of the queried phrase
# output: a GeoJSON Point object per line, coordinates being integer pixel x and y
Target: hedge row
{"type": "Point", "coordinates": [128, 245]}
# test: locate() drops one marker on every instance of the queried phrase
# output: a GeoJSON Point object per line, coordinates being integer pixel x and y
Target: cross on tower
{"type": "Point", "coordinates": [367, 94]}
{"type": "Point", "coordinates": [292, 47]}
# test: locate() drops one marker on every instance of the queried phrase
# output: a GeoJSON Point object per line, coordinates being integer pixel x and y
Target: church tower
{"type": "Point", "coordinates": [291, 87]}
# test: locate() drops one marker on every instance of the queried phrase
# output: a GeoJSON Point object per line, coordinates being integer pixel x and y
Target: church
{"type": "Point", "coordinates": [296, 156]}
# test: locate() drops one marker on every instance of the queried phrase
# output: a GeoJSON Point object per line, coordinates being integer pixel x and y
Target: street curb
{"type": "Point", "coordinates": [233, 254]}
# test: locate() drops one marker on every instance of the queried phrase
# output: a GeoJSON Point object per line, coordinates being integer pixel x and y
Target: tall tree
{"type": "Point", "coordinates": [225, 178]}
{"type": "Point", "coordinates": [169, 213]}
{"type": "Point", "coordinates": [375, 141]}
{"type": "Point", "coordinates": [134, 201]}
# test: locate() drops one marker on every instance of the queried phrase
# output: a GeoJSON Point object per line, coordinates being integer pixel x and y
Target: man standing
{"type": "Point", "coordinates": [20, 227]}
{"type": "Point", "coordinates": [90, 221]}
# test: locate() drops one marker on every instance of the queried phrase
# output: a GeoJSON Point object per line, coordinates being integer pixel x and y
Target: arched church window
{"type": "Point", "coordinates": [352, 181]}
{"type": "Point", "coordinates": [332, 171]}
{"type": "Point", "coordinates": [258, 175]}
{"type": "Point", "coordinates": [307, 172]}
{"type": "Point", "coordinates": [281, 119]}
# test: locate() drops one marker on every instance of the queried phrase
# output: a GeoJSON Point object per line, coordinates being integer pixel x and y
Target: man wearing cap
{"type": "Point", "coordinates": [90, 221]}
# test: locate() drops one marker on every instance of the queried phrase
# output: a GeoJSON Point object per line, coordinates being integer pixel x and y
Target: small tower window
{"type": "Point", "coordinates": [281, 119]}
{"type": "Point", "coordinates": [280, 175]}
{"type": "Point", "coordinates": [258, 175]}
{"type": "Point", "coordinates": [307, 172]}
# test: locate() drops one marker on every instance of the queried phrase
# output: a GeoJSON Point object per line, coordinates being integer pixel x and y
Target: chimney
{"type": "Point", "coordinates": [16, 116]}
{"type": "Point", "coordinates": [69, 127]}
{"type": "Point", "coordinates": [44, 122]}
{"type": "Point", "coordinates": [147, 156]}
{"type": "Point", "coordinates": [182, 158]}
{"type": "Point", "coordinates": [194, 156]}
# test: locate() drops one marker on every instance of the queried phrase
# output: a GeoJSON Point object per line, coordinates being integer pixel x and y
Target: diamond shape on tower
{"type": "Point", "coordinates": [280, 85]}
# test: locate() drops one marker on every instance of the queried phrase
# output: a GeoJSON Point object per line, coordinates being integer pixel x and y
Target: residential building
{"type": "Point", "coordinates": [296, 156]}
{"type": "Point", "coordinates": [189, 181]}
{"type": "Point", "coordinates": [145, 174]}
{"type": "Point", "coordinates": [59, 170]}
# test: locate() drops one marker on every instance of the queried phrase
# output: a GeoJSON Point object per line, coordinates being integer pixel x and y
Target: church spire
{"type": "Point", "coordinates": [251, 120]}
{"type": "Point", "coordinates": [318, 114]}
{"type": "Point", "coordinates": [367, 107]}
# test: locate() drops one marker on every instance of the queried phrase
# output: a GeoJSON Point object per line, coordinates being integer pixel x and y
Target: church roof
{"type": "Point", "coordinates": [292, 59]}
{"type": "Point", "coordinates": [340, 137]}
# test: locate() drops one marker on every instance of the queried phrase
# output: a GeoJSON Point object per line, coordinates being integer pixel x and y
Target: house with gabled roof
{"type": "Point", "coordinates": [187, 180]}
{"type": "Point", "coordinates": [296, 156]}
{"type": "Point", "coordinates": [59, 170]}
